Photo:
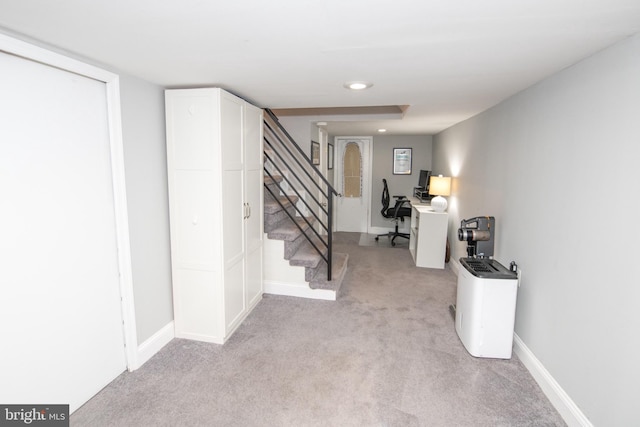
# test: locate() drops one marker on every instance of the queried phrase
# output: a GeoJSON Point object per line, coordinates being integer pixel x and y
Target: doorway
{"type": "Point", "coordinates": [353, 182]}
{"type": "Point", "coordinates": [67, 303]}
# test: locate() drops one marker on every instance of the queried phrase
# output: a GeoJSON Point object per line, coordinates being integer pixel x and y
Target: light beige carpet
{"type": "Point", "coordinates": [385, 354]}
{"type": "Point", "coordinates": [382, 242]}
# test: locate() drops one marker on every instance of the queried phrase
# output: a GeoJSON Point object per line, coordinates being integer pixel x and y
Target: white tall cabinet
{"type": "Point", "coordinates": [214, 157]}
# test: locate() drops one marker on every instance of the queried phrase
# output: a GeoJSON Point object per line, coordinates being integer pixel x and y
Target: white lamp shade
{"type": "Point", "coordinates": [440, 185]}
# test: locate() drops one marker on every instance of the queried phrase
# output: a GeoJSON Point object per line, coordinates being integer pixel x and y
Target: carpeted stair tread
{"type": "Point", "coordinates": [271, 206]}
{"type": "Point", "coordinates": [307, 255]}
{"type": "Point", "coordinates": [297, 249]}
{"type": "Point", "coordinates": [338, 271]}
{"type": "Point", "coordinates": [271, 180]}
{"type": "Point", "coordinates": [273, 220]}
{"type": "Point", "coordinates": [287, 230]}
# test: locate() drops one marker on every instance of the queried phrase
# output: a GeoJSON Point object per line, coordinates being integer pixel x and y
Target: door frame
{"type": "Point", "coordinates": [368, 162]}
{"type": "Point", "coordinates": [323, 139]}
{"type": "Point", "coordinates": [112, 86]}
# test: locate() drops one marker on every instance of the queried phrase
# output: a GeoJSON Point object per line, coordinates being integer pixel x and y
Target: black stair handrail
{"type": "Point", "coordinates": [295, 190]}
{"type": "Point", "coordinates": [302, 153]}
{"type": "Point", "coordinates": [304, 176]}
{"type": "Point", "coordinates": [302, 230]}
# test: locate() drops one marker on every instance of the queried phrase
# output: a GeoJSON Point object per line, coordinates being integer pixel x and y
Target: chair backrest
{"type": "Point", "coordinates": [399, 210]}
{"type": "Point", "coordinates": [385, 198]}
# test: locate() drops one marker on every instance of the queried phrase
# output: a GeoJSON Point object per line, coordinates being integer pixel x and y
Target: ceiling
{"type": "Point", "coordinates": [447, 60]}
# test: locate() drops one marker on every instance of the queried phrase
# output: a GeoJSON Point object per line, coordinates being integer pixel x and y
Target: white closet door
{"type": "Point", "coordinates": [253, 196]}
{"type": "Point", "coordinates": [60, 309]}
{"type": "Point", "coordinates": [234, 209]}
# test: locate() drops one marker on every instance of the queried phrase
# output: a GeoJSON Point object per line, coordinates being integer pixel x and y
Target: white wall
{"type": "Point", "coordinates": [557, 165]}
{"type": "Point", "coordinates": [143, 134]}
{"type": "Point", "coordinates": [300, 130]}
{"type": "Point", "coordinates": [382, 168]}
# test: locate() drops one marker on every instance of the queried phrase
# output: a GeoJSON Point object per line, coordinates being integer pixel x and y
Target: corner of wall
{"type": "Point", "coordinates": [153, 345]}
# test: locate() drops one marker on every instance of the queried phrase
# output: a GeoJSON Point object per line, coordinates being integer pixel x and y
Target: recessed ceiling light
{"type": "Point", "coordinates": [358, 85]}
{"type": "Point", "coordinates": [382, 130]}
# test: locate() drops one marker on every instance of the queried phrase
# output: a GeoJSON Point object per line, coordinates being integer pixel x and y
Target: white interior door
{"type": "Point", "coordinates": [60, 310]}
{"type": "Point", "coordinates": [254, 154]}
{"type": "Point", "coordinates": [353, 176]}
{"type": "Point", "coordinates": [233, 208]}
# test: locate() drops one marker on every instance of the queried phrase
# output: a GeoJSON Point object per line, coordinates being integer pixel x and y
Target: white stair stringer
{"type": "Point", "coordinates": [281, 278]}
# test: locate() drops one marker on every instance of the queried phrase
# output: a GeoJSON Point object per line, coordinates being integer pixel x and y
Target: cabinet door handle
{"type": "Point", "coordinates": [249, 208]}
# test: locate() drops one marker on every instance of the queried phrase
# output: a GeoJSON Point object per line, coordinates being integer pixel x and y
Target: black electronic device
{"type": "Point", "coordinates": [423, 180]}
{"type": "Point", "coordinates": [422, 190]}
{"type": "Point", "coordinates": [478, 233]}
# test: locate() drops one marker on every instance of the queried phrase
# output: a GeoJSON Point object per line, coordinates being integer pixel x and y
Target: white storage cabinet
{"type": "Point", "coordinates": [485, 308]}
{"type": "Point", "coordinates": [215, 172]}
{"type": "Point", "coordinates": [428, 238]}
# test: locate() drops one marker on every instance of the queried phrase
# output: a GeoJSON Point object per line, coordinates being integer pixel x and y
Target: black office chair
{"type": "Point", "coordinates": [398, 213]}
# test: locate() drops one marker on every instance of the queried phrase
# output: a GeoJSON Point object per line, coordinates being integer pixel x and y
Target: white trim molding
{"type": "Point", "coordinates": [154, 343]}
{"type": "Point", "coordinates": [403, 228]}
{"type": "Point", "coordinates": [454, 265]}
{"type": "Point", "coordinates": [567, 408]}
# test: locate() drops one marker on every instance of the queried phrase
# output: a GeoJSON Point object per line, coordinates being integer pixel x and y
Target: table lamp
{"type": "Point", "coordinates": [439, 186]}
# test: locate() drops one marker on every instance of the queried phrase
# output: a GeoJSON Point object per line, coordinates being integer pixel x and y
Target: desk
{"type": "Point", "coordinates": [428, 235]}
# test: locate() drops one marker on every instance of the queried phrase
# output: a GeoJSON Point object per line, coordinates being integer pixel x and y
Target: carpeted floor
{"type": "Point", "coordinates": [385, 354]}
{"type": "Point", "coordinates": [382, 242]}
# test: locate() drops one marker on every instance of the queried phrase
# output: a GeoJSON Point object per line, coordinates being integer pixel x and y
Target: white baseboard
{"type": "Point", "coordinates": [378, 230]}
{"type": "Point", "coordinates": [298, 290]}
{"type": "Point", "coordinates": [567, 408]}
{"type": "Point", "coordinates": [455, 266]}
{"type": "Point", "coordinates": [154, 344]}
{"type": "Point", "coordinates": [382, 230]}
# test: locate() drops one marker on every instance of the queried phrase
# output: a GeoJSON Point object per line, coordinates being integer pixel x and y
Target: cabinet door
{"type": "Point", "coordinates": [253, 143]}
{"type": "Point", "coordinates": [233, 208]}
{"type": "Point", "coordinates": [432, 239]}
{"type": "Point", "coordinates": [413, 233]}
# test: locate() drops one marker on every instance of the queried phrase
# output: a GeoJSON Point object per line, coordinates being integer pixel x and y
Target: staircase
{"type": "Point", "coordinates": [297, 223]}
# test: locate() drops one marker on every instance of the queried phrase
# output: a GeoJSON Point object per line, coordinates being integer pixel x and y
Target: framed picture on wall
{"type": "Point", "coordinates": [329, 156]}
{"type": "Point", "coordinates": [402, 161]}
{"type": "Point", "coordinates": [315, 153]}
